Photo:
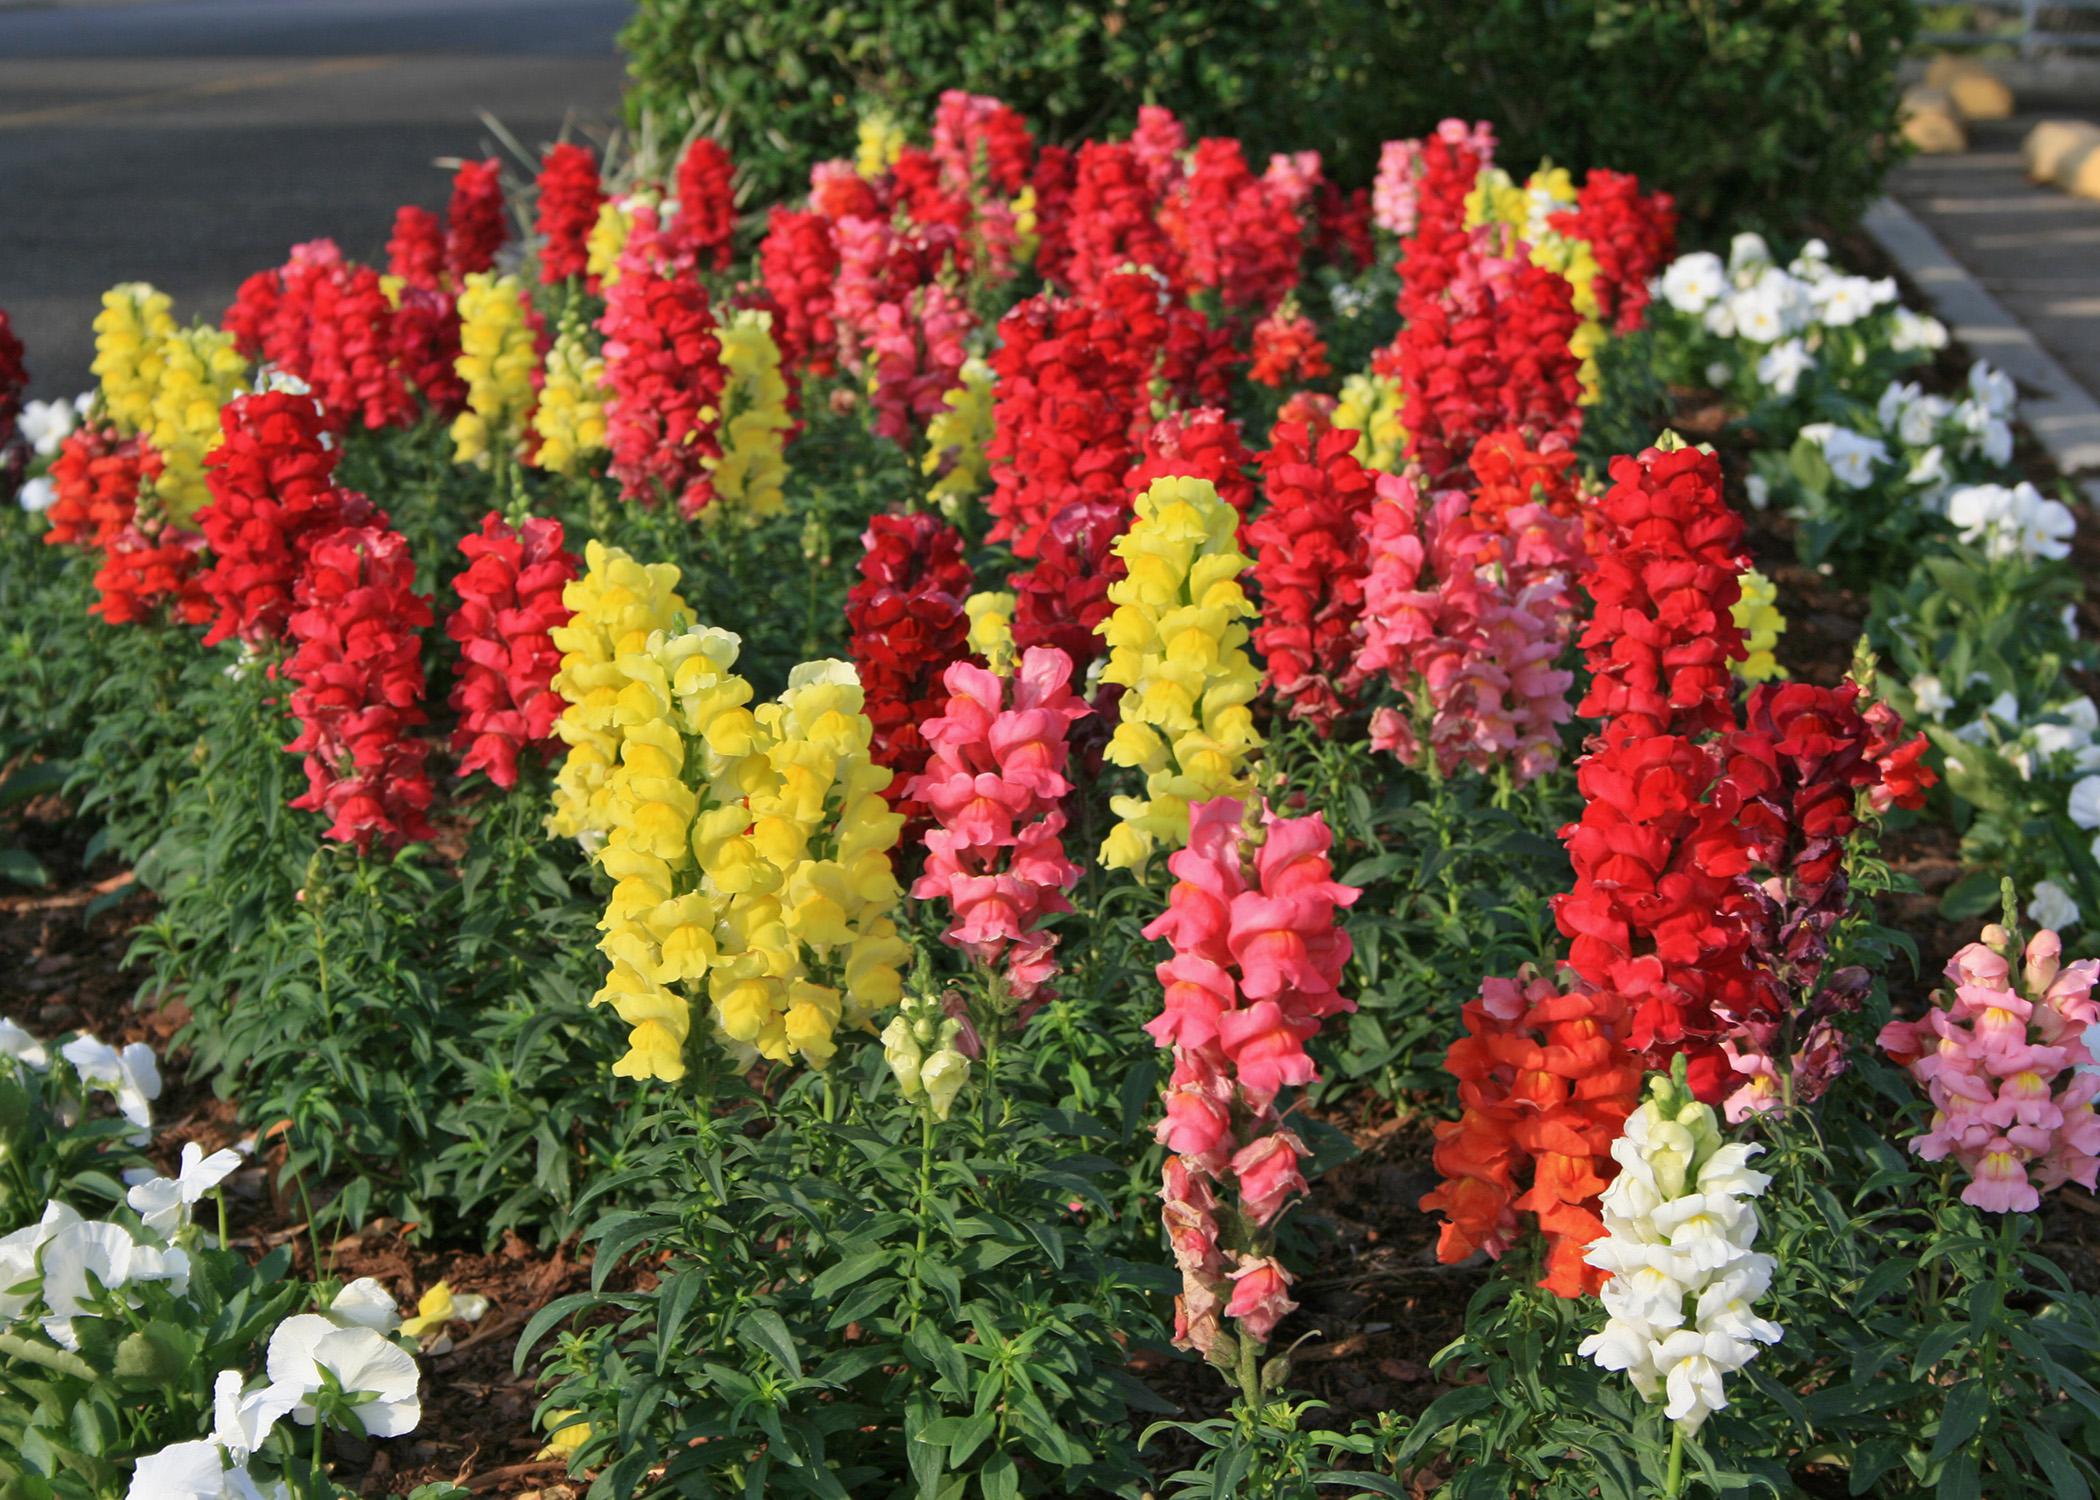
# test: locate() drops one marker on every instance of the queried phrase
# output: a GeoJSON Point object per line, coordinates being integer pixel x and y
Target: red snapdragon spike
{"type": "Point", "coordinates": [569, 197]}
{"type": "Point", "coordinates": [1200, 443]}
{"type": "Point", "coordinates": [357, 676]}
{"type": "Point", "coordinates": [706, 224]}
{"type": "Point", "coordinates": [907, 622]}
{"type": "Point", "coordinates": [1663, 572]}
{"type": "Point", "coordinates": [664, 375]}
{"type": "Point", "coordinates": [1112, 220]}
{"type": "Point", "coordinates": [475, 227]}
{"type": "Point", "coordinates": [1310, 562]}
{"type": "Point", "coordinates": [329, 323]}
{"type": "Point", "coordinates": [798, 260]}
{"type": "Point", "coordinates": [1056, 175]}
{"type": "Point", "coordinates": [994, 785]}
{"type": "Point", "coordinates": [510, 600]}
{"type": "Point", "coordinates": [975, 136]}
{"type": "Point", "coordinates": [1546, 1081]}
{"type": "Point", "coordinates": [1905, 778]}
{"type": "Point", "coordinates": [425, 347]}
{"type": "Point", "coordinates": [14, 381]}
{"type": "Point", "coordinates": [1509, 474]}
{"type": "Point", "coordinates": [838, 192]}
{"type": "Point", "coordinates": [1632, 236]}
{"type": "Point", "coordinates": [415, 252]}
{"type": "Point", "coordinates": [1235, 234]}
{"type": "Point", "coordinates": [273, 493]}
{"type": "Point", "coordinates": [1342, 234]}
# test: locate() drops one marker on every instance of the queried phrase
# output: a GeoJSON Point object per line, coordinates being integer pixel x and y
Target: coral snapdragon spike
{"type": "Point", "coordinates": [994, 785]}
{"type": "Point", "coordinates": [415, 251]}
{"type": "Point", "coordinates": [1288, 350]}
{"type": "Point", "coordinates": [357, 676]}
{"type": "Point", "coordinates": [1545, 1081]}
{"type": "Point", "coordinates": [2005, 1061]}
{"type": "Point", "coordinates": [475, 227]}
{"type": "Point", "coordinates": [1310, 562]}
{"type": "Point", "coordinates": [510, 603]}
{"type": "Point", "coordinates": [1257, 963]}
{"type": "Point", "coordinates": [664, 372]}
{"type": "Point", "coordinates": [1509, 474]}
{"type": "Point", "coordinates": [798, 260]}
{"type": "Point", "coordinates": [1664, 570]}
{"type": "Point", "coordinates": [907, 622]}
{"type": "Point", "coordinates": [273, 492]}
{"type": "Point", "coordinates": [706, 224]}
{"type": "Point", "coordinates": [97, 479]}
{"type": "Point", "coordinates": [569, 199]}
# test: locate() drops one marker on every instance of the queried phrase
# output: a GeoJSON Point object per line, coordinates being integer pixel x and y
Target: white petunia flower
{"type": "Point", "coordinates": [165, 1203]}
{"type": "Point", "coordinates": [2052, 906]}
{"type": "Point", "coordinates": [131, 1074]}
{"type": "Point", "coordinates": [379, 1373]}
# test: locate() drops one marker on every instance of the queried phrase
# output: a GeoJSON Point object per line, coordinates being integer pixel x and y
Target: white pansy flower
{"type": "Point", "coordinates": [1930, 695]}
{"type": "Point", "coordinates": [18, 1258]}
{"type": "Point", "coordinates": [1748, 254]}
{"type": "Point", "coordinates": [1769, 309]}
{"type": "Point", "coordinates": [194, 1470]}
{"type": "Point", "coordinates": [241, 1419]}
{"type": "Point", "coordinates": [363, 1361]}
{"type": "Point", "coordinates": [1929, 468]}
{"type": "Point", "coordinates": [2052, 906]}
{"type": "Point", "coordinates": [1719, 320]}
{"type": "Point", "coordinates": [1783, 366]}
{"type": "Point", "coordinates": [131, 1074]}
{"type": "Point", "coordinates": [1852, 456]}
{"type": "Point", "coordinates": [37, 495]}
{"type": "Point", "coordinates": [1909, 331]}
{"type": "Point", "coordinates": [1841, 301]}
{"type": "Point", "coordinates": [1813, 261]}
{"type": "Point", "coordinates": [1994, 389]}
{"type": "Point", "coordinates": [1758, 491]}
{"type": "Point", "coordinates": [1680, 1224]}
{"type": "Point", "coordinates": [364, 1303]}
{"type": "Point", "coordinates": [45, 425]}
{"type": "Point", "coordinates": [1692, 282]}
{"type": "Point", "coordinates": [2015, 521]}
{"type": "Point", "coordinates": [2083, 805]}
{"type": "Point", "coordinates": [82, 1255]}
{"type": "Point", "coordinates": [165, 1203]}
{"type": "Point", "coordinates": [22, 1047]}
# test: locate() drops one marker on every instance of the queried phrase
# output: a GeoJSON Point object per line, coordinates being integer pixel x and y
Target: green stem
{"type": "Point", "coordinates": [1250, 1381]}
{"type": "Point", "coordinates": [918, 1285]}
{"type": "Point", "coordinates": [1674, 1480]}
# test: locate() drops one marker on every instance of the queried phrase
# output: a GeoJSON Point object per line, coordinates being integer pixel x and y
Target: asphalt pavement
{"type": "Point", "coordinates": [191, 142]}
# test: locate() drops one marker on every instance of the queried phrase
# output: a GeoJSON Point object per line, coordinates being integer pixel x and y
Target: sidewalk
{"type": "Point", "coordinates": [2034, 251]}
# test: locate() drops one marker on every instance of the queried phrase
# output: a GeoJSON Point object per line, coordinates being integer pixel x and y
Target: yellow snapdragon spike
{"type": "Point", "coordinates": [200, 370]}
{"type": "Point", "coordinates": [570, 417]}
{"type": "Point", "coordinates": [497, 360]}
{"type": "Point", "coordinates": [134, 324]}
{"type": "Point", "coordinates": [881, 144]}
{"type": "Point", "coordinates": [1370, 404]}
{"type": "Point", "coordinates": [1177, 643]}
{"type": "Point", "coordinates": [1496, 199]}
{"type": "Point", "coordinates": [607, 239]}
{"type": "Point", "coordinates": [957, 438]}
{"type": "Point", "coordinates": [1027, 225]}
{"type": "Point", "coordinates": [614, 608]}
{"type": "Point", "coordinates": [991, 616]}
{"type": "Point", "coordinates": [750, 475]}
{"type": "Point", "coordinates": [1756, 614]}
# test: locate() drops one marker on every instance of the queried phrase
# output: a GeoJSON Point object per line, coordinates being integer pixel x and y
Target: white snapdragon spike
{"type": "Point", "coordinates": [23, 1048]}
{"type": "Point", "coordinates": [18, 1259]}
{"type": "Point", "coordinates": [166, 1203]}
{"type": "Point", "coordinates": [1680, 1225]}
{"type": "Point", "coordinates": [130, 1073]}
{"type": "Point", "coordinates": [92, 1253]}
{"type": "Point", "coordinates": [377, 1372]}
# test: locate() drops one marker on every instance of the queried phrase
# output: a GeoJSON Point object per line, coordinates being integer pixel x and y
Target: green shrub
{"type": "Point", "coordinates": [1754, 112]}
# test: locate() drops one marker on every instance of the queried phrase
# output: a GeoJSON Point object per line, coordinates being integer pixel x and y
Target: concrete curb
{"type": "Point", "coordinates": [2060, 412]}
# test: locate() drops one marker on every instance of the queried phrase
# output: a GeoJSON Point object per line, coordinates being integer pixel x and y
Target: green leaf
{"type": "Point", "coordinates": [767, 1329]}
{"type": "Point", "coordinates": [999, 1479]}
{"type": "Point", "coordinates": [1960, 1480]}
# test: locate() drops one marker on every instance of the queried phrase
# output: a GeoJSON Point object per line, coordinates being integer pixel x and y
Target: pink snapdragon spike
{"type": "Point", "coordinates": [1466, 621]}
{"type": "Point", "coordinates": [994, 784]}
{"type": "Point", "coordinates": [1256, 966]}
{"type": "Point", "coordinates": [2009, 1073]}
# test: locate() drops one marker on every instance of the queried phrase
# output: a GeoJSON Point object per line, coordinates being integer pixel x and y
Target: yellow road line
{"type": "Point", "coordinates": [333, 67]}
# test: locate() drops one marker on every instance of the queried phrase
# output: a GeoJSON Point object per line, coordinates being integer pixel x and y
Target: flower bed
{"type": "Point", "coordinates": [985, 786]}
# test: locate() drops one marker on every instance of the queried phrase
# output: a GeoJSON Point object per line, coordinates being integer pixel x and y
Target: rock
{"type": "Point", "coordinates": [2079, 173]}
{"type": "Point", "coordinates": [1978, 93]}
{"type": "Point", "coordinates": [1931, 123]}
{"type": "Point", "coordinates": [2052, 143]}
